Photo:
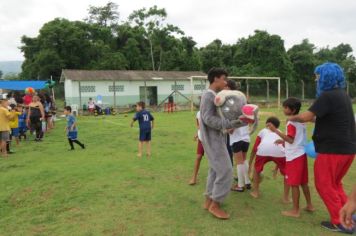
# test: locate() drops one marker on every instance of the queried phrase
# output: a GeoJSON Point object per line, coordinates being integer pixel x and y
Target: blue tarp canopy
{"type": "Point", "coordinates": [21, 84]}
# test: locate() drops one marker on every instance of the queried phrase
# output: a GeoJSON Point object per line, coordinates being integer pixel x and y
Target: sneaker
{"type": "Point", "coordinates": [336, 228]}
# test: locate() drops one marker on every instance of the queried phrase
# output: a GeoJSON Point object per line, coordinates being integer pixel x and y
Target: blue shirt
{"type": "Point", "coordinates": [22, 120]}
{"type": "Point", "coordinates": [70, 121]}
{"type": "Point", "coordinates": [144, 119]}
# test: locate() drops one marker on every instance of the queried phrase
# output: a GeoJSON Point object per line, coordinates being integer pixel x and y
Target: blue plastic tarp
{"type": "Point", "coordinates": [22, 85]}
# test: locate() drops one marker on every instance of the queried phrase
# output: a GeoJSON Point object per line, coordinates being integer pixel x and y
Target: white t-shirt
{"type": "Point", "coordinates": [198, 118]}
{"type": "Point", "coordinates": [296, 149]}
{"type": "Point", "coordinates": [267, 146]}
{"type": "Point", "coordinates": [240, 134]}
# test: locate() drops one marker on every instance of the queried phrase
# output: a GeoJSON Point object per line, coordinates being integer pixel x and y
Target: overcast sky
{"type": "Point", "coordinates": [324, 22]}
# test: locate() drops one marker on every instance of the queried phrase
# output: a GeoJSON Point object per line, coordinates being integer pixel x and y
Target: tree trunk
{"type": "Point", "coordinates": [153, 61]}
{"type": "Point", "coordinates": [160, 58]}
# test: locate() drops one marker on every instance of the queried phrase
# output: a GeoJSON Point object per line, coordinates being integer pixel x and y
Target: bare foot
{"type": "Point", "coordinates": [192, 182]}
{"type": "Point", "coordinates": [207, 203]}
{"type": "Point", "coordinates": [148, 155]}
{"type": "Point", "coordinates": [291, 213]}
{"type": "Point", "coordinates": [255, 194]}
{"type": "Point", "coordinates": [310, 208]}
{"type": "Point", "coordinates": [216, 211]}
{"type": "Point", "coordinates": [139, 155]}
{"type": "Point", "coordinates": [286, 201]}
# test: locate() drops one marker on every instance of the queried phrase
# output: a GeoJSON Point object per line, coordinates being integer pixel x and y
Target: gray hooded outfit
{"type": "Point", "coordinates": [214, 143]}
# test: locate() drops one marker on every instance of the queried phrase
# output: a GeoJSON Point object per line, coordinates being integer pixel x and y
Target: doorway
{"type": "Point", "coordinates": [151, 95]}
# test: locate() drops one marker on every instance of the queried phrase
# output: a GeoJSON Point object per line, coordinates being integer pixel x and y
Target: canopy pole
{"type": "Point", "coordinates": [80, 97]}
{"type": "Point", "coordinates": [192, 97]}
{"type": "Point", "coordinates": [114, 93]}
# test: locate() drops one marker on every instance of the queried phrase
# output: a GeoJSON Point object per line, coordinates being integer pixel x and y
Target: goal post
{"type": "Point", "coordinates": [243, 78]}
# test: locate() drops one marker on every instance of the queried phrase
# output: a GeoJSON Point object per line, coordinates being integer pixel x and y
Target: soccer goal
{"type": "Point", "coordinates": [201, 82]}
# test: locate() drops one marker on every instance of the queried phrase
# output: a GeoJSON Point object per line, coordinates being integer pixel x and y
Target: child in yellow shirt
{"type": "Point", "coordinates": [14, 124]}
{"type": "Point", "coordinates": [5, 118]}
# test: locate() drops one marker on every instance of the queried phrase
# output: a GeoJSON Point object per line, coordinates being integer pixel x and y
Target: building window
{"type": "Point", "coordinates": [199, 87]}
{"type": "Point", "coordinates": [87, 89]}
{"type": "Point", "coordinates": [117, 88]}
{"type": "Point", "coordinates": [179, 87]}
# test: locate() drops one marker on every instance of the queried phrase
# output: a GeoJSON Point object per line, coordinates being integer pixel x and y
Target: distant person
{"type": "Point", "coordinates": [170, 104]}
{"type": "Point", "coordinates": [22, 123]}
{"type": "Point", "coordinates": [5, 117]}
{"type": "Point", "coordinates": [296, 173]}
{"type": "Point", "coordinates": [334, 138]}
{"type": "Point", "coordinates": [146, 123]}
{"type": "Point", "coordinates": [265, 150]}
{"type": "Point", "coordinates": [91, 106]}
{"type": "Point", "coordinates": [14, 124]}
{"type": "Point", "coordinates": [71, 129]}
{"type": "Point", "coordinates": [35, 117]}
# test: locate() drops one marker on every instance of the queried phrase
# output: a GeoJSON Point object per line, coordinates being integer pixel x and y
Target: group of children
{"type": "Point", "coordinates": [286, 150]}
{"type": "Point", "coordinates": [12, 125]}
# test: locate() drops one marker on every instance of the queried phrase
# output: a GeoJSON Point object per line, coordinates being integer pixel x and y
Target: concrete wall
{"type": "Point", "coordinates": [131, 91]}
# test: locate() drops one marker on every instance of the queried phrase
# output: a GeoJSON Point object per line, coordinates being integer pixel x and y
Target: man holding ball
{"type": "Point", "coordinates": [334, 138]}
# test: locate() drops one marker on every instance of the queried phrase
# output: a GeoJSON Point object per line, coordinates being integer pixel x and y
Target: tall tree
{"type": "Point", "coordinates": [156, 31]}
{"type": "Point", "coordinates": [106, 16]}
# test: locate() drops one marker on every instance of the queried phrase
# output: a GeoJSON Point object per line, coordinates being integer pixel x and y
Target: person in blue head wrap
{"type": "Point", "coordinates": [334, 138]}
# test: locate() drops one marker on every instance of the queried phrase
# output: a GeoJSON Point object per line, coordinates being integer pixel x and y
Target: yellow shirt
{"type": "Point", "coordinates": [5, 117]}
{"type": "Point", "coordinates": [15, 122]}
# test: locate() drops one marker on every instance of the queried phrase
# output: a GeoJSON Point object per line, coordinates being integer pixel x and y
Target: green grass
{"type": "Point", "coordinates": [107, 190]}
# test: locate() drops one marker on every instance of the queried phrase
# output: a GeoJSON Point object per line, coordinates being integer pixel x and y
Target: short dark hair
{"type": "Point", "coordinates": [232, 84]}
{"type": "Point", "coordinates": [274, 120]}
{"type": "Point", "coordinates": [216, 72]}
{"type": "Point", "coordinates": [141, 104]}
{"type": "Point", "coordinates": [68, 108]}
{"type": "Point", "coordinates": [294, 104]}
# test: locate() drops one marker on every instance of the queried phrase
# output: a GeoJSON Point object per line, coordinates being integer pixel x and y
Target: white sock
{"type": "Point", "coordinates": [247, 178]}
{"type": "Point", "coordinates": [241, 175]}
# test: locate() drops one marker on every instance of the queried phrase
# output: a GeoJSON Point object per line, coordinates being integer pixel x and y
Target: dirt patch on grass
{"type": "Point", "coordinates": [19, 197]}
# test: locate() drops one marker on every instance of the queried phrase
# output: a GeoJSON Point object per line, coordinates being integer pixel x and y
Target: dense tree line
{"type": "Point", "coordinates": [145, 41]}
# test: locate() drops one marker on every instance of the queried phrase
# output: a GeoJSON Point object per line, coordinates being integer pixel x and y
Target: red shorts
{"type": "Point", "coordinates": [200, 148]}
{"type": "Point", "coordinates": [262, 160]}
{"type": "Point", "coordinates": [297, 171]}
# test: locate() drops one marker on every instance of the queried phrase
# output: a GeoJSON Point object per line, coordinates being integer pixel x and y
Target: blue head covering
{"type": "Point", "coordinates": [331, 76]}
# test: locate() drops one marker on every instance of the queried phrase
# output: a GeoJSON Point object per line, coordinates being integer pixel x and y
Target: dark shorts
{"type": "Point", "coordinates": [145, 135]}
{"type": "Point", "coordinates": [261, 161]}
{"type": "Point", "coordinates": [72, 135]}
{"type": "Point", "coordinates": [4, 136]}
{"type": "Point", "coordinates": [22, 130]}
{"type": "Point", "coordinates": [15, 132]}
{"type": "Point", "coordinates": [240, 146]}
{"type": "Point", "coordinates": [200, 148]}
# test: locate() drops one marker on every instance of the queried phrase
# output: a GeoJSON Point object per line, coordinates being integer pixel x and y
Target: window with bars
{"type": "Point", "coordinates": [178, 87]}
{"type": "Point", "coordinates": [199, 87]}
{"type": "Point", "coordinates": [87, 89]}
{"type": "Point", "coordinates": [117, 88]}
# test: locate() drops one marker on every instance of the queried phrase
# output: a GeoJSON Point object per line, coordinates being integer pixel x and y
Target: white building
{"type": "Point", "coordinates": [121, 88]}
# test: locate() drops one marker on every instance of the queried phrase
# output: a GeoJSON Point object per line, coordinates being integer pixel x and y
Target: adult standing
{"type": "Point", "coordinates": [214, 143]}
{"type": "Point", "coordinates": [35, 117]}
{"type": "Point", "coordinates": [334, 138]}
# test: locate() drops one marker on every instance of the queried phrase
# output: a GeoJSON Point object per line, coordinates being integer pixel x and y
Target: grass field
{"type": "Point", "coordinates": [107, 190]}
